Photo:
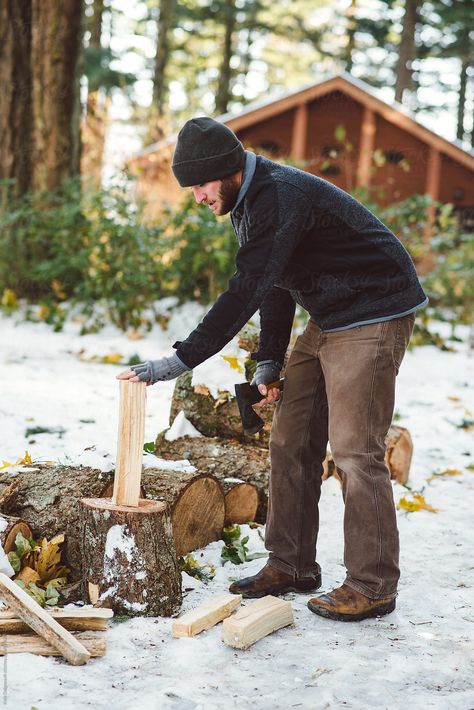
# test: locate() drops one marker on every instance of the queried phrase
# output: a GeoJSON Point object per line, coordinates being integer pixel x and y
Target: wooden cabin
{"type": "Point", "coordinates": [337, 129]}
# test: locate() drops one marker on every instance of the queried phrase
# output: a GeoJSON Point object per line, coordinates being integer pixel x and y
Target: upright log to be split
{"type": "Point", "coordinates": [129, 557]}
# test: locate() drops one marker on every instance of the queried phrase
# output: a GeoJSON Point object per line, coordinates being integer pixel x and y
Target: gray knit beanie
{"type": "Point", "coordinates": [206, 150]}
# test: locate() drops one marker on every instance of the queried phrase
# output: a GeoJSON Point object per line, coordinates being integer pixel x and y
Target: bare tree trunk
{"type": "Point", "coordinates": [351, 29]}
{"type": "Point", "coordinates": [406, 50]}
{"type": "Point", "coordinates": [94, 124]}
{"type": "Point", "coordinates": [466, 62]}
{"type": "Point", "coordinates": [55, 51]}
{"type": "Point", "coordinates": [225, 73]}
{"type": "Point", "coordinates": [15, 93]}
{"type": "Point", "coordinates": [160, 84]}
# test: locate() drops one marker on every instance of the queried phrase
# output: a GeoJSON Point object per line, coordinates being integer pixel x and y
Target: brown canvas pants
{"type": "Point", "coordinates": [339, 387]}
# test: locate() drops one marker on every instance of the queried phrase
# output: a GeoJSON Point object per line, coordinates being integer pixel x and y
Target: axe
{"type": "Point", "coordinates": [246, 395]}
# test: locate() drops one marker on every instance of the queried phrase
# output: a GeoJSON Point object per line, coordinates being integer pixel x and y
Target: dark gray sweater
{"type": "Point", "coordinates": [303, 240]}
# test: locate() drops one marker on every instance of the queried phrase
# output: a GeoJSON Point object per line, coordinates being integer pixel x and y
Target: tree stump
{"type": "Point", "coordinates": [11, 527]}
{"type": "Point", "coordinates": [196, 503]}
{"type": "Point", "coordinates": [129, 559]}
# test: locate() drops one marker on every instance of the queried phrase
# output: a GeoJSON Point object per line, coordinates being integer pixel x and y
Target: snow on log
{"type": "Point", "coordinates": [196, 502]}
{"type": "Point", "coordinates": [206, 615]}
{"type": "Point", "coordinates": [129, 557]}
{"type": "Point", "coordinates": [256, 620]}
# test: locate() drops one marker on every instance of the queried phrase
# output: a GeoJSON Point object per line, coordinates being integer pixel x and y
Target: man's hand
{"type": "Point", "coordinates": [267, 371]}
{"type": "Point", "coordinates": [153, 371]}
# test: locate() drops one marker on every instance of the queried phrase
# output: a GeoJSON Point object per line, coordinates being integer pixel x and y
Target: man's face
{"type": "Point", "coordinates": [219, 195]}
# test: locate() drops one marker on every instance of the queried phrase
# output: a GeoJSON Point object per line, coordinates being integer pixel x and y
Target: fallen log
{"type": "Point", "coordinates": [240, 499]}
{"type": "Point", "coordinates": [10, 526]}
{"type": "Point", "coordinates": [215, 417]}
{"type": "Point", "coordinates": [249, 464]}
{"type": "Point", "coordinates": [255, 621]}
{"type": "Point", "coordinates": [41, 622]}
{"type": "Point", "coordinates": [93, 642]}
{"type": "Point", "coordinates": [206, 615]}
{"type": "Point", "coordinates": [196, 502]}
{"type": "Point", "coordinates": [129, 560]}
{"type": "Point", "coordinates": [48, 498]}
{"type": "Point", "coordinates": [399, 453]}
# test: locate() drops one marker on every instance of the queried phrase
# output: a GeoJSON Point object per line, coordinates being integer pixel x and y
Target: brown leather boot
{"type": "Point", "coordinates": [271, 580]}
{"type": "Point", "coordinates": [346, 604]}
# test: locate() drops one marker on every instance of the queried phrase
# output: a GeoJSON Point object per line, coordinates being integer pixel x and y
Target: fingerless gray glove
{"type": "Point", "coordinates": [158, 370]}
{"type": "Point", "coordinates": [267, 371]}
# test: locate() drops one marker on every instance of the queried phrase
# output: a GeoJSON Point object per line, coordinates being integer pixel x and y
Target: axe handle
{"type": "Point", "coordinates": [256, 395]}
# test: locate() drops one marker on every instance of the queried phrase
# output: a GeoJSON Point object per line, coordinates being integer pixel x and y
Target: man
{"type": "Point", "coordinates": [303, 240]}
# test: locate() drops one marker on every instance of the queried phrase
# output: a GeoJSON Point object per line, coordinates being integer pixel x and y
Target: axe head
{"type": "Point", "coordinates": [247, 395]}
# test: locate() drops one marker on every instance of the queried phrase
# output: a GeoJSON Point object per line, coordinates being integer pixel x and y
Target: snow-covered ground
{"type": "Point", "coordinates": [420, 656]}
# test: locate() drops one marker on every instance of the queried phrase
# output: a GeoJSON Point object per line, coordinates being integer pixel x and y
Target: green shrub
{"type": "Point", "coordinates": [200, 252]}
{"type": "Point", "coordinates": [88, 250]}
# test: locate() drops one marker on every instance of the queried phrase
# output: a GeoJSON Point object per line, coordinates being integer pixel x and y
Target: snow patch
{"type": "Point", "coordinates": [118, 539]}
{"type": "Point", "coordinates": [152, 461]}
{"type": "Point", "coordinates": [181, 427]}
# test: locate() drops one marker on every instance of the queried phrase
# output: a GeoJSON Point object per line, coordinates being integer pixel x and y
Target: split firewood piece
{"type": "Point", "coordinates": [93, 642]}
{"type": "Point", "coordinates": [217, 608]}
{"type": "Point", "coordinates": [41, 622]}
{"type": "Point", "coordinates": [128, 468]}
{"type": "Point", "coordinates": [260, 618]}
{"type": "Point", "coordinates": [83, 619]}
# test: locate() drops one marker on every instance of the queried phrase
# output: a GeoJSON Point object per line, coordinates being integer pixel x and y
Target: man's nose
{"type": "Point", "coordinates": [199, 195]}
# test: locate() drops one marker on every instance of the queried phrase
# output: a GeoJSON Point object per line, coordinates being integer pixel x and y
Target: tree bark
{"type": "Point", "coordinates": [55, 51]}
{"type": "Point", "coordinates": [466, 62]}
{"type": "Point", "coordinates": [129, 559]}
{"type": "Point", "coordinates": [196, 502]}
{"type": "Point", "coordinates": [225, 73]}
{"type": "Point", "coordinates": [160, 84]}
{"type": "Point", "coordinates": [406, 51]}
{"type": "Point", "coordinates": [15, 95]}
{"type": "Point", "coordinates": [95, 120]}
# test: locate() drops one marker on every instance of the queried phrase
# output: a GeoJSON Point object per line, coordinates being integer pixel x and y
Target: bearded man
{"type": "Point", "coordinates": [304, 241]}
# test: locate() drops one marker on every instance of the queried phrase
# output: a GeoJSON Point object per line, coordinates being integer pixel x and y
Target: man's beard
{"type": "Point", "coordinates": [227, 194]}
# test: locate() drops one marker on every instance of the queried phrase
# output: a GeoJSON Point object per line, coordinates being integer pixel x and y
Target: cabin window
{"type": "Point", "coordinates": [394, 156]}
{"type": "Point", "coordinates": [269, 147]}
{"type": "Point", "coordinates": [331, 151]}
{"type": "Point", "coordinates": [330, 170]}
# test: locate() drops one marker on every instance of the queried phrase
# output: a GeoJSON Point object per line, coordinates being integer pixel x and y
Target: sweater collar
{"type": "Point", "coordinates": [249, 170]}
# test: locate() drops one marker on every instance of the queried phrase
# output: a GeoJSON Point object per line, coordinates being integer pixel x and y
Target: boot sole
{"type": "Point", "coordinates": [279, 591]}
{"type": "Point", "coordinates": [337, 616]}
